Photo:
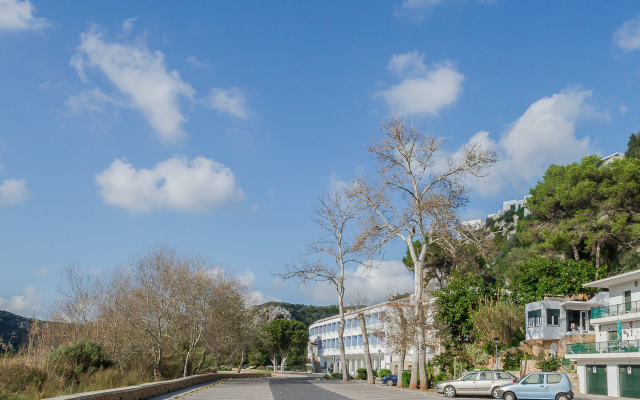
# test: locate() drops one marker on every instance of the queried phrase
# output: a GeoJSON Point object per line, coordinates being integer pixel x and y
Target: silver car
{"type": "Point", "coordinates": [481, 382]}
{"type": "Point", "coordinates": [539, 385]}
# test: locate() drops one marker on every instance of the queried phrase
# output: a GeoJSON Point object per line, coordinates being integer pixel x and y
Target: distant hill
{"type": "Point", "coordinates": [300, 312]}
{"type": "Point", "coordinates": [14, 329]}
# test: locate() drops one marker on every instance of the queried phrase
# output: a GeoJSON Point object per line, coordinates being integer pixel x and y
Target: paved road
{"type": "Point", "coordinates": [299, 388]}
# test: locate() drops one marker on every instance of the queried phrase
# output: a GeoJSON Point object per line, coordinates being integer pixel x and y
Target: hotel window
{"type": "Point", "coordinates": [553, 317]}
{"type": "Point", "coordinates": [320, 345]}
{"type": "Point", "coordinates": [360, 342]}
{"type": "Point", "coordinates": [348, 324]}
{"type": "Point", "coordinates": [354, 340]}
{"type": "Point", "coordinates": [320, 329]}
{"type": "Point", "coordinates": [333, 343]}
{"type": "Point", "coordinates": [374, 318]}
{"type": "Point", "coordinates": [333, 327]}
{"type": "Point", "coordinates": [348, 342]}
{"type": "Point", "coordinates": [339, 323]}
{"type": "Point", "coordinates": [535, 318]}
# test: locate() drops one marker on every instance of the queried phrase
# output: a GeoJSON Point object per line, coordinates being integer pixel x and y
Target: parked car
{"type": "Point", "coordinates": [478, 383]}
{"type": "Point", "coordinates": [390, 380]}
{"type": "Point", "coordinates": [538, 385]}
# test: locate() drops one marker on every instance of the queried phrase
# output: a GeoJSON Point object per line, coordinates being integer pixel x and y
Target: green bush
{"type": "Point", "coordinates": [79, 358]}
{"type": "Point", "coordinates": [16, 378]}
{"type": "Point", "coordinates": [548, 362]}
{"type": "Point", "coordinates": [384, 372]}
{"type": "Point", "coordinates": [336, 375]}
{"type": "Point", "coordinates": [361, 373]}
{"type": "Point", "coordinates": [511, 360]}
{"type": "Point", "coordinates": [406, 378]}
{"type": "Point", "coordinates": [442, 376]}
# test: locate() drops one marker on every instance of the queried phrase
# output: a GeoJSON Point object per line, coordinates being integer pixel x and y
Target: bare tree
{"type": "Point", "coordinates": [361, 301]}
{"type": "Point", "coordinates": [333, 214]}
{"type": "Point", "coordinates": [398, 331]}
{"type": "Point", "coordinates": [418, 191]}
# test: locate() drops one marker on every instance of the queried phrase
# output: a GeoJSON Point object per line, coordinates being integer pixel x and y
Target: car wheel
{"type": "Point", "coordinates": [449, 391]}
{"type": "Point", "coordinates": [509, 396]}
{"type": "Point", "coordinates": [494, 392]}
{"type": "Point", "coordinates": [389, 382]}
{"type": "Point", "coordinates": [562, 396]}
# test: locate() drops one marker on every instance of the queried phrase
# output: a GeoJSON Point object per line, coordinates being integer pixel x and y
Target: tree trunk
{"type": "Point", "coordinates": [274, 361]}
{"type": "Point", "coordinates": [185, 371]}
{"type": "Point", "coordinates": [575, 252]}
{"type": "Point", "coordinates": [403, 355]}
{"type": "Point", "coordinates": [597, 257]}
{"type": "Point", "coordinates": [241, 361]}
{"type": "Point", "coordinates": [284, 359]}
{"type": "Point", "coordinates": [343, 355]}
{"type": "Point", "coordinates": [424, 379]}
{"type": "Point", "coordinates": [201, 363]}
{"type": "Point", "coordinates": [367, 354]}
{"type": "Point", "coordinates": [415, 360]}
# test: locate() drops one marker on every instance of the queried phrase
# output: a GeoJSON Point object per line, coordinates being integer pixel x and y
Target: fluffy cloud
{"type": "Point", "coordinates": [388, 277]}
{"type": "Point", "coordinates": [229, 101]}
{"type": "Point", "coordinates": [13, 192]}
{"type": "Point", "coordinates": [627, 37]}
{"type": "Point", "coordinates": [90, 100]}
{"type": "Point", "coordinates": [423, 90]}
{"type": "Point", "coordinates": [247, 278]}
{"type": "Point", "coordinates": [544, 134]}
{"type": "Point", "coordinates": [175, 184]}
{"type": "Point", "coordinates": [44, 271]}
{"type": "Point", "coordinates": [141, 76]}
{"type": "Point", "coordinates": [18, 15]}
{"type": "Point", "coordinates": [26, 304]}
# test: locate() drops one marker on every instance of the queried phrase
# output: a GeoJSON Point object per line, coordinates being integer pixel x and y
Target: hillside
{"type": "Point", "coordinates": [307, 314]}
{"type": "Point", "coordinates": [13, 330]}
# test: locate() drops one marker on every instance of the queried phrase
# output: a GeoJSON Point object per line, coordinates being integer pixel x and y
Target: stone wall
{"type": "Point", "coordinates": [148, 390]}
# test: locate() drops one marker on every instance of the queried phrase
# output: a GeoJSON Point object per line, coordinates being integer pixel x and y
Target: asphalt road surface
{"type": "Point", "coordinates": [298, 388]}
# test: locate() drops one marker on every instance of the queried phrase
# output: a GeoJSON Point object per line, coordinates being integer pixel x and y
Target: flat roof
{"type": "Point", "coordinates": [614, 280]}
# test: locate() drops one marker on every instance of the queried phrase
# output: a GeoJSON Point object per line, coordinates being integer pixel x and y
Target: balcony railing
{"type": "Point", "coordinates": [616, 309]}
{"type": "Point", "coordinates": [611, 346]}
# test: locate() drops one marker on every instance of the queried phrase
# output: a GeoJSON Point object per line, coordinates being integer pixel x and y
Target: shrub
{"type": "Point", "coordinates": [548, 362]}
{"type": "Point", "coordinates": [336, 375]}
{"type": "Point", "coordinates": [442, 376]}
{"type": "Point", "coordinates": [361, 373]}
{"type": "Point", "coordinates": [384, 372]}
{"type": "Point", "coordinates": [81, 357]}
{"type": "Point", "coordinates": [406, 378]}
{"type": "Point", "coordinates": [15, 378]}
{"type": "Point", "coordinates": [511, 360]}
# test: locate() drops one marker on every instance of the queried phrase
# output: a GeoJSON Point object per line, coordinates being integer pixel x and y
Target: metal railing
{"type": "Point", "coordinates": [616, 309]}
{"type": "Point", "coordinates": [611, 346]}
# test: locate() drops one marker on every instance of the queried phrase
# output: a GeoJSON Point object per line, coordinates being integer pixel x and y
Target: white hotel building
{"type": "Point", "coordinates": [609, 364]}
{"type": "Point", "coordinates": [324, 347]}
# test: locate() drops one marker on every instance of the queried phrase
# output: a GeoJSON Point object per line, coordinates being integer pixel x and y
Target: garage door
{"type": "Point", "coordinates": [597, 379]}
{"type": "Point", "coordinates": [630, 381]}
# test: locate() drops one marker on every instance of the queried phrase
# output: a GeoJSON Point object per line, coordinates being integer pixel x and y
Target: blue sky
{"type": "Point", "coordinates": [213, 126]}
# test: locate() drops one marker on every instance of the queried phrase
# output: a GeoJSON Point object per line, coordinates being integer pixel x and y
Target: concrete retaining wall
{"type": "Point", "coordinates": [148, 390]}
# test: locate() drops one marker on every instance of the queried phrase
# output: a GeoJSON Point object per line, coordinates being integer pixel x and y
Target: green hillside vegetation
{"type": "Point", "coordinates": [307, 314]}
{"type": "Point", "coordinates": [13, 331]}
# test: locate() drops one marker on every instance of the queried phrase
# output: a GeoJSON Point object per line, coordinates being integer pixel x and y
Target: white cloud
{"type": "Point", "coordinates": [257, 298]}
{"type": "Point", "coordinates": [18, 15]}
{"type": "Point", "coordinates": [175, 184]}
{"type": "Point", "coordinates": [13, 192]}
{"type": "Point", "coordinates": [335, 184]}
{"type": "Point", "coordinates": [627, 37]}
{"type": "Point", "coordinates": [623, 109]}
{"type": "Point", "coordinates": [127, 25]}
{"type": "Point", "coordinates": [247, 278]}
{"type": "Point", "coordinates": [30, 302]}
{"type": "Point", "coordinates": [423, 90]}
{"type": "Point", "coordinates": [230, 101]}
{"type": "Point", "coordinates": [197, 63]}
{"type": "Point", "coordinates": [389, 277]}
{"type": "Point", "coordinates": [255, 207]}
{"type": "Point", "coordinates": [90, 100]}
{"type": "Point", "coordinates": [141, 76]}
{"type": "Point", "coordinates": [44, 271]}
{"type": "Point", "coordinates": [545, 134]}
{"type": "Point", "coordinates": [94, 271]}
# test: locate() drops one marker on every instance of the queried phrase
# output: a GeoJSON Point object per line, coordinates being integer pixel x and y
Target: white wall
{"type": "Point", "coordinates": [544, 331]}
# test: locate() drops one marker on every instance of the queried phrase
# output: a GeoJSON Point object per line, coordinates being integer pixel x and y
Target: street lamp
{"type": "Point", "coordinates": [379, 362]}
{"type": "Point", "coordinates": [496, 340]}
